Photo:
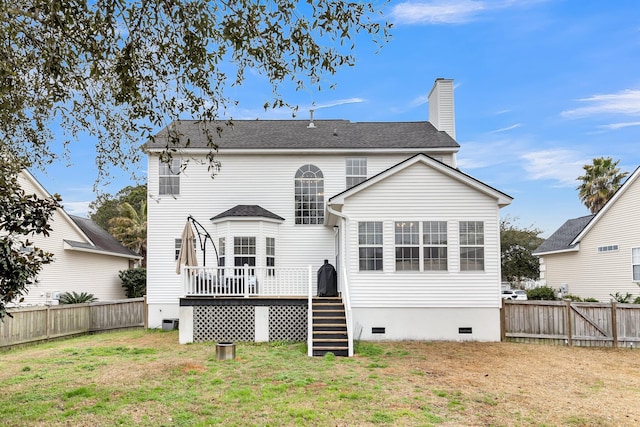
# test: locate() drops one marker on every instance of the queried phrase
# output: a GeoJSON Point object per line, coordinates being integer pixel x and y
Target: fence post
{"type": "Point", "coordinates": [614, 323]}
{"type": "Point", "coordinates": [503, 321]}
{"type": "Point", "coordinates": [246, 280]}
{"type": "Point", "coordinates": [569, 339]}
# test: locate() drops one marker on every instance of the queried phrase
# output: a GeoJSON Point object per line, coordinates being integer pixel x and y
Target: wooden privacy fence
{"type": "Point", "coordinates": [571, 323]}
{"type": "Point", "coordinates": [40, 323]}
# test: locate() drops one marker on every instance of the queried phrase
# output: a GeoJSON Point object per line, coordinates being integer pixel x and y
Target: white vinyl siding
{"type": "Point", "coordinates": [593, 274]}
{"type": "Point", "coordinates": [442, 198]}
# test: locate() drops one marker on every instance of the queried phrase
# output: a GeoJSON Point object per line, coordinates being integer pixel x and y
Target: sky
{"type": "Point", "coordinates": [541, 88]}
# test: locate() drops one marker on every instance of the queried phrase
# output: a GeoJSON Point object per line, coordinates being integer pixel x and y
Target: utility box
{"type": "Point", "coordinates": [169, 324]}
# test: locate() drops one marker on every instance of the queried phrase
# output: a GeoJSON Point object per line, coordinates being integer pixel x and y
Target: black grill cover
{"type": "Point", "coordinates": [327, 281]}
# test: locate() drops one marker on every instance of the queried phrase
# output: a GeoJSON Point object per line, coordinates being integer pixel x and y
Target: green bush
{"type": "Point", "coordinates": [590, 299]}
{"type": "Point", "coordinates": [75, 298]}
{"type": "Point", "coordinates": [623, 299]}
{"type": "Point", "coordinates": [637, 300]}
{"type": "Point", "coordinates": [542, 293]}
{"type": "Point", "coordinates": [570, 297]}
{"type": "Point", "coordinates": [134, 282]}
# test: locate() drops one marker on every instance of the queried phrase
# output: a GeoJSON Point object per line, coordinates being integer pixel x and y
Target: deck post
{"type": "Point", "coordinates": [310, 314]}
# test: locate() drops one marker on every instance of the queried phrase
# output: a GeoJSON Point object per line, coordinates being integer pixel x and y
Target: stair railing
{"type": "Point", "coordinates": [310, 315]}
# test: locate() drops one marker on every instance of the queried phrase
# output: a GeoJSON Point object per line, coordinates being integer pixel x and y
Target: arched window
{"type": "Point", "coordinates": [309, 195]}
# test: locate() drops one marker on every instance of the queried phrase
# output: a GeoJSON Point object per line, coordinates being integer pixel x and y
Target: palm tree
{"type": "Point", "coordinates": [130, 228]}
{"type": "Point", "coordinates": [600, 180]}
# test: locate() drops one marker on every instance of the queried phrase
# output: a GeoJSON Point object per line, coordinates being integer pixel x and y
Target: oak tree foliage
{"type": "Point", "coordinates": [120, 70]}
{"type": "Point", "coordinates": [22, 215]}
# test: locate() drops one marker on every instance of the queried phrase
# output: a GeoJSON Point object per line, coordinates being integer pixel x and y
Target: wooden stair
{"type": "Point", "coordinates": [329, 327]}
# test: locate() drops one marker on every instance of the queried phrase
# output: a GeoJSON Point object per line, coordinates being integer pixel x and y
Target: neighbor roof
{"type": "Point", "coordinates": [102, 241]}
{"type": "Point", "coordinates": [296, 134]}
{"type": "Point", "coordinates": [563, 236]}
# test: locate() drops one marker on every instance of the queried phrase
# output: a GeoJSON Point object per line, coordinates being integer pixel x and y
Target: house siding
{"type": "Point", "coordinates": [598, 275]}
{"type": "Point", "coordinates": [243, 179]}
{"type": "Point", "coordinates": [441, 198]}
{"type": "Point", "coordinates": [71, 270]}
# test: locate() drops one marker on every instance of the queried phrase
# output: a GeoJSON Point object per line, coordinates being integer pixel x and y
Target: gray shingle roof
{"type": "Point", "coordinates": [295, 134]}
{"type": "Point", "coordinates": [248, 211]}
{"type": "Point", "coordinates": [103, 241]}
{"type": "Point", "coordinates": [561, 239]}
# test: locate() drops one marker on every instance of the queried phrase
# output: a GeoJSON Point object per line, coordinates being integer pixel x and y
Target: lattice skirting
{"type": "Point", "coordinates": [218, 323]}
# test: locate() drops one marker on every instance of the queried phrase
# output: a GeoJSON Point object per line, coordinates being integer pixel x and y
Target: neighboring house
{"type": "Point", "coordinates": [414, 240]}
{"type": "Point", "coordinates": [86, 258]}
{"type": "Point", "coordinates": [597, 255]}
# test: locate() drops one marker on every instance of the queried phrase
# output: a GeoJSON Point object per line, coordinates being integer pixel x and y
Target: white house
{"type": "Point", "coordinates": [414, 240]}
{"type": "Point", "coordinates": [86, 258]}
{"type": "Point", "coordinates": [595, 256]}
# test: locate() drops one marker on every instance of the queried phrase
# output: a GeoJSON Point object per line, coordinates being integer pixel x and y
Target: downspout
{"type": "Point", "coordinates": [344, 283]}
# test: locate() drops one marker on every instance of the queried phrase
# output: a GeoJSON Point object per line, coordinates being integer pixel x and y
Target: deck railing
{"type": "Point", "coordinates": [246, 281]}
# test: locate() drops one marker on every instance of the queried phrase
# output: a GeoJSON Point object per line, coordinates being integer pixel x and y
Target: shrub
{"type": "Point", "coordinates": [621, 298]}
{"type": "Point", "coordinates": [134, 282]}
{"type": "Point", "coordinates": [541, 293]}
{"type": "Point", "coordinates": [75, 298]}
{"type": "Point", "coordinates": [574, 298]}
{"type": "Point", "coordinates": [591, 299]}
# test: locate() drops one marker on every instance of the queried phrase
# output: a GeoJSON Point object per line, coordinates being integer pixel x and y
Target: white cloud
{"type": "Point", "coordinates": [508, 128]}
{"type": "Point", "coordinates": [337, 102]}
{"type": "Point", "coordinates": [616, 126]}
{"type": "Point", "coordinates": [626, 102]}
{"type": "Point", "coordinates": [437, 12]}
{"type": "Point", "coordinates": [450, 11]}
{"type": "Point", "coordinates": [482, 154]}
{"type": "Point", "coordinates": [561, 165]}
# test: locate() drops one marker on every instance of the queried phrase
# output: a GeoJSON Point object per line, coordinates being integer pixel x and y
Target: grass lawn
{"type": "Point", "coordinates": [145, 378]}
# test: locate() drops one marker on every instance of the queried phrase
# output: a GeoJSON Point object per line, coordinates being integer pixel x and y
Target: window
{"type": "Point", "coordinates": [610, 248]}
{"type": "Point", "coordinates": [356, 170]}
{"type": "Point", "coordinates": [271, 256]}
{"type": "Point", "coordinates": [434, 238]}
{"type": "Point", "coordinates": [244, 249]}
{"type": "Point", "coordinates": [407, 246]}
{"type": "Point", "coordinates": [635, 262]}
{"type": "Point", "coordinates": [471, 246]}
{"type": "Point", "coordinates": [169, 178]}
{"type": "Point", "coordinates": [309, 195]}
{"type": "Point", "coordinates": [178, 245]}
{"type": "Point", "coordinates": [370, 246]}
{"type": "Point", "coordinates": [221, 255]}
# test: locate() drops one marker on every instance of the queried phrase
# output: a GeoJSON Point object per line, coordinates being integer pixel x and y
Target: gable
{"type": "Point", "coordinates": [438, 177]}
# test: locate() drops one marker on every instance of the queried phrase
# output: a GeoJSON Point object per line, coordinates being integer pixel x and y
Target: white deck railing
{"type": "Point", "coordinates": [247, 282]}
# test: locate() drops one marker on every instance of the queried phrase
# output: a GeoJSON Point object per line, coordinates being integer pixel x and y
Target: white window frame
{"type": "Point", "coordinates": [270, 255]}
{"type": "Point", "coordinates": [222, 248]}
{"type": "Point", "coordinates": [435, 239]}
{"type": "Point", "coordinates": [370, 246]}
{"type": "Point", "coordinates": [178, 245]}
{"type": "Point", "coordinates": [407, 241]}
{"type": "Point", "coordinates": [169, 177]}
{"type": "Point", "coordinates": [635, 264]}
{"type": "Point", "coordinates": [471, 240]}
{"type": "Point", "coordinates": [309, 195]}
{"type": "Point", "coordinates": [608, 248]}
{"type": "Point", "coordinates": [355, 170]}
{"type": "Point", "coordinates": [244, 249]}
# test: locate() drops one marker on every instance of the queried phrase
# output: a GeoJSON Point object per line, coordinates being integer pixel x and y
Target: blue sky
{"type": "Point", "coordinates": [541, 88]}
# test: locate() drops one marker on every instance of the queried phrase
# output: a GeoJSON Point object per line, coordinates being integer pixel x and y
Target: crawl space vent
{"type": "Point", "coordinates": [377, 330]}
{"type": "Point", "coordinates": [465, 330]}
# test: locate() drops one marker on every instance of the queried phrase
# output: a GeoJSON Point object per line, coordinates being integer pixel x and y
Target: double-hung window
{"type": "Point", "coordinates": [635, 264]}
{"type": "Point", "coordinates": [434, 237]}
{"type": "Point", "coordinates": [169, 177]}
{"type": "Point", "coordinates": [356, 170]}
{"type": "Point", "coordinates": [270, 251]}
{"type": "Point", "coordinates": [244, 251]}
{"type": "Point", "coordinates": [370, 246]}
{"type": "Point", "coordinates": [471, 246]}
{"type": "Point", "coordinates": [222, 251]}
{"type": "Point", "coordinates": [407, 237]}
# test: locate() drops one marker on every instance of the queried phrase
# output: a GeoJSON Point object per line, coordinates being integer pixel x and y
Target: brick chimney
{"type": "Point", "coordinates": [441, 110]}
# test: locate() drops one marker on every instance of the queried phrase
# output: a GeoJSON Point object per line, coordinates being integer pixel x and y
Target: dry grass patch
{"type": "Point", "coordinates": [145, 378]}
